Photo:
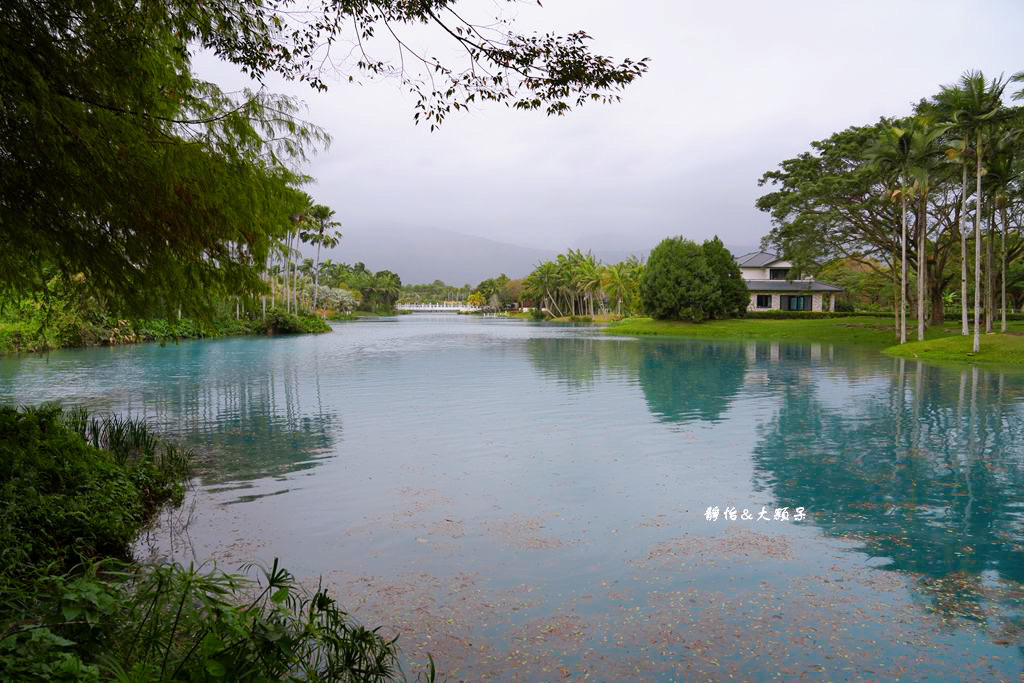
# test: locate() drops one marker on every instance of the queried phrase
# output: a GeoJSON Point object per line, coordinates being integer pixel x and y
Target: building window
{"type": "Point", "coordinates": [778, 273]}
{"type": "Point", "coordinates": [796, 303]}
{"type": "Point", "coordinates": [764, 300]}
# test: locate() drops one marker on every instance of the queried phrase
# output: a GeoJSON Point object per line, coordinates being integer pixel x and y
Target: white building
{"type": "Point", "coordinates": [765, 275]}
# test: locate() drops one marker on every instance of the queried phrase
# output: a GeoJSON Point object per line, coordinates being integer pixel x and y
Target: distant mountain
{"type": "Point", "coordinates": [421, 255]}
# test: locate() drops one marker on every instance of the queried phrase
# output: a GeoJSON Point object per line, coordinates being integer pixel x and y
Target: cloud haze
{"type": "Point", "coordinates": [733, 88]}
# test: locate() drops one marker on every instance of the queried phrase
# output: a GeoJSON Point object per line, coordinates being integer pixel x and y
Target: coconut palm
{"type": "Point", "coordinates": [1004, 172]}
{"type": "Point", "coordinates": [322, 236]}
{"type": "Point", "coordinates": [959, 151]}
{"type": "Point", "coordinates": [892, 156]}
{"type": "Point", "coordinates": [614, 281]}
{"type": "Point", "coordinates": [586, 276]}
{"type": "Point", "coordinates": [925, 159]}
{"type": "Point", "coordinates": [543, 283]}
{"type": "Point", "coordinates": [976, 105]}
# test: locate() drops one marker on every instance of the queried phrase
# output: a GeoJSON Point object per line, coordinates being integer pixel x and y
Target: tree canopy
{"type": "Point", "coordinates": [894, 197]}
{"type": "Point", "coordinates": [162, 190]}
{"type": "Point", "coordinates": [678, 282]}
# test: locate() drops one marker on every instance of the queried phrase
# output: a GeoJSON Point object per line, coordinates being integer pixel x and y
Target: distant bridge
{"type": "Point", "coordinates": [444, 307]}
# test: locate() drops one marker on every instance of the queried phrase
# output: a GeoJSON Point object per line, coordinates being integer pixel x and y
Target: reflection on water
{"type": "Point", "coordinates": [521, 499]}
{"type": "Point", "coordinates": [256, 414]}
{"type": "Point", "coordinates": [926, 472]}
{"type": "Point", "coordinates": [690, 380]}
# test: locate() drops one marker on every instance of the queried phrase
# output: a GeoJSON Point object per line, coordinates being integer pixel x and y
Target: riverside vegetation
{"type": "Point", "coordinates": [75, 490]}
{"type": "Point", "coordinates": [68, 314]}
{"type": "Point", "coordinates": [147, 203]}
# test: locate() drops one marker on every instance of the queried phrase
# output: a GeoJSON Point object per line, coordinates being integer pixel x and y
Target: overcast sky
{"type": "Point", "coordinates": [733, 88]}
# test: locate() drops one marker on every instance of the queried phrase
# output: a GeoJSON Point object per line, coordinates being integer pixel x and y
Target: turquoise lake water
{"type": "Point", "coordinates": [530, 502]}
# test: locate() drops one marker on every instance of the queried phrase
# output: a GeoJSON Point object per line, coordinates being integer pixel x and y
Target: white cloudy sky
{"type": "Point", "coordinates": [733, 88]}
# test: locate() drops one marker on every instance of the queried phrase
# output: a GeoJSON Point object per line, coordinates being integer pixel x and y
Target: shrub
{"type": "Point", "coordinates": [280, 322]}
{"type": "Point", "coordinates": [811, 315]}
{"type": "Point", "coordinates": [63, 500]}
{"type": "Point", "coordinates": [74, 492]}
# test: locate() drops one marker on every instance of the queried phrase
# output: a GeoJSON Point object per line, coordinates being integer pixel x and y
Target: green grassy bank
{"type": "Point", "coordinates": [942, 343]}
{"type": "Point", "coordinates": [997, 350]}
{"type": "Point", "coordinates": [874, 331]}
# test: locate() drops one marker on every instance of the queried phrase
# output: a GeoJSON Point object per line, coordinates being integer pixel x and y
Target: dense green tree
{"type": "Point", "coordinates": [494, 291]}
{"type": "Point", "coordinates": [734, 297]}
{"type": "Point", "coordinates": [678, 282]}
{"type": "Point", "coordinates": [864, 287]}
{"type": "Point", "coordinates": [836, 201]}
{"type": "Point", "coordinates": [117, 163]}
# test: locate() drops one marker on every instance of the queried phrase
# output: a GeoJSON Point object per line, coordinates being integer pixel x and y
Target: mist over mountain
{"type": "Point", "coordinates": [420, 254]}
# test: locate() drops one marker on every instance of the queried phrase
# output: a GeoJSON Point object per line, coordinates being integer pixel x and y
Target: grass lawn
{"type": "Point", "coordinates": [942, 343]}
{"type": "Point", "coordinates": [996, 350]}
{"type": "Point", "coordinates": [875, 331]}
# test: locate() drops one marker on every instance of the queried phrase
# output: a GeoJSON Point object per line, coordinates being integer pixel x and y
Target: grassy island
{"type": "Point", "coordinates": [996, 350]}
{"type": "Point", "coordinates": [875, 331]}
{"type": "Point", "coordinates": [942, 344]}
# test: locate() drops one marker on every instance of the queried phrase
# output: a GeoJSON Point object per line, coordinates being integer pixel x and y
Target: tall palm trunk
{"type": "Point", "coordinates": [295, 284]}
{"type": "Point", "coordinates": [922, 261]}
{"type": "Point", "coordinates": [903, 272]}
{"type": "Point", "coordinates": [990, 308]}
{"type": "Point", "coordinates": [288, 274]}
{"type": "Point", "coordinates": [316, 274]}
{"type": "Point", "coordinates": [977, 250]}
{"type": "Point", "coordinates": [895, 284]}
{"type": "Point", "coordinates": [988, 273]}
{"type": "Point", "coordinates": [965, 326]}
{"type": "Point", "coordinates": [1002, 270]}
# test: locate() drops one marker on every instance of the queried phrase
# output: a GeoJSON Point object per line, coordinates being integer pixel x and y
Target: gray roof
{"type": "Point", "coordinates": [757, 259]}
{"type": "Point", "coordinates": [794, 286]}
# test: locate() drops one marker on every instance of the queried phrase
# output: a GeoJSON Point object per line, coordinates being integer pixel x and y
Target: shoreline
{"type": "Point", "coordinates": [943, 345]}
{"type": "Point", "coordinates": [17, 337]}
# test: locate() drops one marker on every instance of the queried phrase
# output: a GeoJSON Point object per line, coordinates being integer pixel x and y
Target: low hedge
{"type": "Point", "coordinates": [955, 315]}
{"type": "Point", "coordinates": [810, 315]}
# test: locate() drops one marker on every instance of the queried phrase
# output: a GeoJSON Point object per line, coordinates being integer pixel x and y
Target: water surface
{"type": "Point", "coordinates": [529, 502]}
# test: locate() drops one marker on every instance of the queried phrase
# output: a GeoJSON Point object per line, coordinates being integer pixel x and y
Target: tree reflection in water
{"type": "Point", "coordinates": [926, 473]}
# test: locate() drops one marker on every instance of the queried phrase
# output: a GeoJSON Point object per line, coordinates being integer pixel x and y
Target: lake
{"type": "Point", "coordinates": [534, 502]}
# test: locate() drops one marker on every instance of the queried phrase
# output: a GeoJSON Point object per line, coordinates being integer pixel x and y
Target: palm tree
{"type": "Point", "coordinates": [323, 236]}
{"type": "Point", "coordinates": [960, 151]}
{"type": "Point", "coordinates": [925, 158]}
{"type": "Point", "coordinates": [613, 281]}
{"type": "Point", "coordinates": [542, 282]}
{"type": "Point", "coordinates": [976, 104]}
{"type": "Point", "coordinates": [1003, 172]}
{"type": "Point", "coordinates": [891, 154]}
{"type": "Point", "coordinates": [586, 276]}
